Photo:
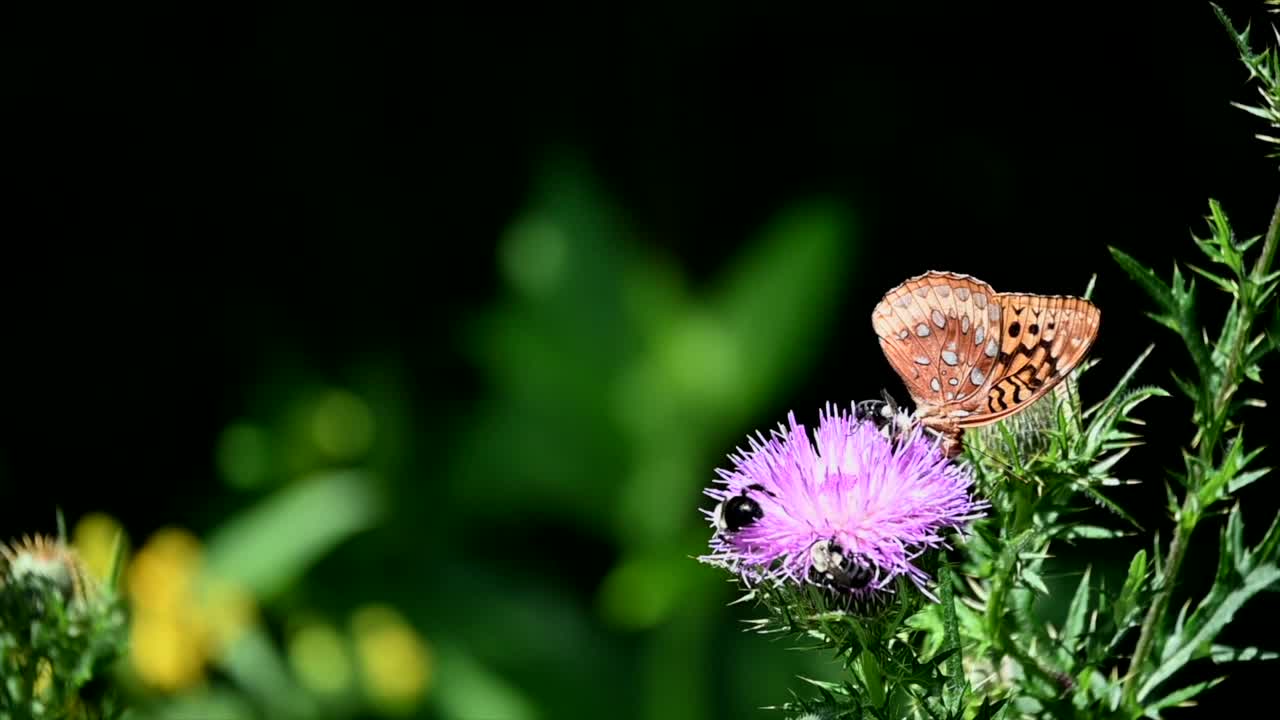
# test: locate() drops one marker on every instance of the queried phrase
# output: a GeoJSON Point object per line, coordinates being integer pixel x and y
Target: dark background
{"type": "Point", "coordinates": [211, 203]}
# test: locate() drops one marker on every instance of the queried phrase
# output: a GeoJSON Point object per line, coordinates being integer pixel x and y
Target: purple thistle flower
{"type": "Point", "coordinates": [851, 513]}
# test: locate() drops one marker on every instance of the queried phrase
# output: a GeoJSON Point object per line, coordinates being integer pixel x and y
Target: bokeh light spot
{"type": "Point", "coordinates": [342, 425]}
{"type": "Point", "coordinates": [244, 455]}
{"type": "Point", "coordinates": [395, 662]}
{"type": "Point", "coordinates": [532, 253]}
{"type": "Point", "coordinates": [319, 659]}
{"type": "Point", "coordinates": [227, 610]}
{"type": "Point", "coordinates": [634, 596]}
{"type": "Point", "coordinates": [161, 575]}
{"type": "Point", "coordinates": [165, 652]}
{"type": "Point", "coordinates": [94, 538]}
{"type": "Point", "coordinates": [702, 361]}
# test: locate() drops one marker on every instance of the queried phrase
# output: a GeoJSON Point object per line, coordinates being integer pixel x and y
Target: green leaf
{"type": "Point", "coordinates": [1220, 479]}
{"type": "Point", "coordinates": [1273, 331]}
{"type": "Point", "coordinates": [869, 672]}
{"type": "Point", "coordinates": [1032, 578]}
{"type": "Point", "coordinates": [1224, 654]}
{"type": "Point", "coordinates": [1103, 466]}
{"type": "Point", "coordinates": [1266, 549]}
{"type": "Point", "coordinates": [1178, 697]}
{"type": "Point", "coordinates": [989, 710]}
{"type": "Point", "coordinates": [1230, 286]}
{"type": "Point", "coordinates": [467, 689]}
{"type": "Point", "coordinates": [267, 548]}
{"type": "Point", "coordinates": [1222, 611]}
{"type": "Point", "coordinates": [1146, 279]}
{"type": "Point", "coordinates": [1077, 614]}
{"type": "Point", "coordinates": [1090, 532]}
{"type": "Point", "coordinates": [1188, 388]}
{"type": "Point", "coordinates": [1105, 502]}
{"type": "Point", "coordinates": [1114, 399]}
{"type": "Point", "coordinates": [1232, 555]}
{"type": "Point", "coordinates": [1127, 602]}
{"type": "Point", "coordinates": [1244, 480]}
{"type": "Point", "coordinates": [200, 703]}
{"type": "Point", "coordinates": [255, 664]}
{"type": "Point", "coordinates": [796, 268]}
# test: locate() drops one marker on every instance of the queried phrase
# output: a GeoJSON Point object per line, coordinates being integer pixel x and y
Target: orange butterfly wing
{"type": "Point", "coordinates": [970, 356]}
{"type": "Point", "coordinates": [1044, 338]}
{"type": "Point", "coordinates": [941, 334]}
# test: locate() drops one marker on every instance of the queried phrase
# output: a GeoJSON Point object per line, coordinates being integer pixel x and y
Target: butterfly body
{"type": "Point", "coordinates": [971, 356]}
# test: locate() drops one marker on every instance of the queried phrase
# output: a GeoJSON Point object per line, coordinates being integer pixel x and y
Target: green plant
{"type": "Point", "coordinates": [983, 649]}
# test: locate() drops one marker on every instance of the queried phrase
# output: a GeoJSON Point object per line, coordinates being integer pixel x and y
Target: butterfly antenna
{"type": "Point", "coordinates": [1010, 469]}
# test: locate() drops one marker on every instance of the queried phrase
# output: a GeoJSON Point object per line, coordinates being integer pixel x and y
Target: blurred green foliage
{"type": "Point", "coordinates": [530, 554]}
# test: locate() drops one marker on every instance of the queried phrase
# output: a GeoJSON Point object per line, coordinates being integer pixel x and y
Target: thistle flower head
{"type": "Point", "coordinates": [45, 558]}
{"type": "Point", "coordinates": [852, 510]}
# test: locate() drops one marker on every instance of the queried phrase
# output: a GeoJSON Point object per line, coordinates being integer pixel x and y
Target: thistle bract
{"type": "Point", "coordinates": [853, 510]}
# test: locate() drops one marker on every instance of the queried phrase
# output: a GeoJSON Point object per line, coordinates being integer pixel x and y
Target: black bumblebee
{"type": "Point", "coordinates": [836, 568]}
{"type": "Point", "coordinates": [739, 511]}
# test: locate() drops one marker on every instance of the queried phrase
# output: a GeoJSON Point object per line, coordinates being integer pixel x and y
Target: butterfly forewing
{"type": "Point", "coordinates": [941, 333]}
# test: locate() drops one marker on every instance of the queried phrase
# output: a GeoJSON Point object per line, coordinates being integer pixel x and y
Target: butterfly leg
{"type": "Point", "coordinates": [952, 446]}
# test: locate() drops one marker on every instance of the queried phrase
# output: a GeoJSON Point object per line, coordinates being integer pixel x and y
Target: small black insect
{"type": "Point", "coordinates": [877, 411]}
{"type": "Point", "coordinates": [833, 567]}
{"type": "Point", "coordinates": [739, 511]}
{"type": "Point", "coordinates": [1067, 682]}
{"type": "Point", "coordinates": [888, 416]}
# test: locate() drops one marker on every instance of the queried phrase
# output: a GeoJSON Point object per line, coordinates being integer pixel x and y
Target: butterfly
{"type": "Point", "coordinates": [971, 356]}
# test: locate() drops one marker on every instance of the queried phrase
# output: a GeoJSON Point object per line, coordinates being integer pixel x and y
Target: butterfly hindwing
{"type": "Point", "coordinates": [1043, 339]}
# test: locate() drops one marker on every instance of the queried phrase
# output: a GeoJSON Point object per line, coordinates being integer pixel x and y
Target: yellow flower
{"type": "Point", "coordinates": [395, 661]}
{"type": "Point", "coordinates": [183, 618]}
{"type": "Point", "coordinates": [94, 538]}
{"type": "Point", "coordinates": [162, 575]}
{"type": "Point", "coordinates": [167, 653]}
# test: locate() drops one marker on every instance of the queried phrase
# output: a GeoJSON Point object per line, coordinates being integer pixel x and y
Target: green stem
{"type": "Point", "coordinates": [1154, 618]}
{"type": "Point", "coordinates": [872, 679]}
{"type": "Point", "coordinates": [1226, 388]}
{"type": "Point", "coordinates": [1268, 256]}
{"type": "Point", "coordinates": [955, 667]}
{"type": "Point", "coordinates": [1025, 659]}
{"type": "Point", "coordinates": [1003, 641]}
{"type": "Point", "coordinates": [1189, 514]}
